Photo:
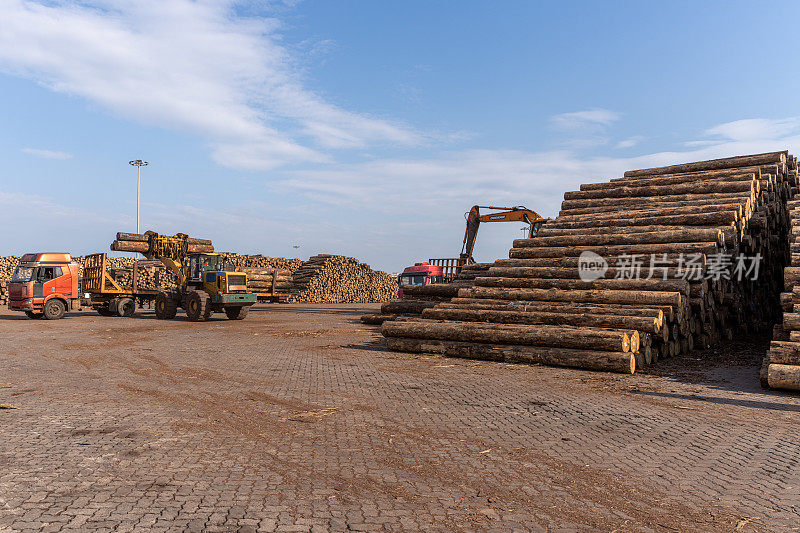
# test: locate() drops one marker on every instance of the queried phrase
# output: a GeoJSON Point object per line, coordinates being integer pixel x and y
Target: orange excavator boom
{"type": "Point", "coordinates": [503, 214]}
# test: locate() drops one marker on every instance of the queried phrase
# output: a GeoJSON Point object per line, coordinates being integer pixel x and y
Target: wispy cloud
{"type": "Point", "coordinates": [47, 154]}
{"type": "Point", "coordinates": [580, 119]}
{"type": "Point", "coordinates": [191, 66]}
{"type": "Point", "coordinates": [755, 129]}
{"type": "Point", "coordinates": [630, 142]}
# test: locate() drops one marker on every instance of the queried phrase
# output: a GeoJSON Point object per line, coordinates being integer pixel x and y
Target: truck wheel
{"type": "Point", "coordinates": [198, 307]}
{"type": "Point", "coordinates": [165, 307]}
{"type": "Point", "coordinates": [237, 313]}
{"type": "Point", "coordinates": [126, 307]}
{"type": "Point", "coordinates": [32, 314]}
{"type": "Point", "coordinates": [54, 309]}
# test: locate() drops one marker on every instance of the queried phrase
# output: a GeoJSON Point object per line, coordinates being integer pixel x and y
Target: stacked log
{"type": "Point", "coordinates": [337, 279]}
{"type": "Point", "coordinates": [417, 298]}
{"type": "Point", "coordinates": [781, 366]}
{"type": "Point", "coordinates": [140, 243]}
{"type": "Point", "coordinates": [7, 266]}
{"type": "Point", "coordinates": [275, 281]}
{"type": "Point", "coordinates": [691, 219]}
{"type": "Point", "coordinates": [260, 262]}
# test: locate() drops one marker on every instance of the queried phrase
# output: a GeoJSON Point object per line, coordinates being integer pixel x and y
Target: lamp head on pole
{"type": "Point", "coordinates": [138, 163]}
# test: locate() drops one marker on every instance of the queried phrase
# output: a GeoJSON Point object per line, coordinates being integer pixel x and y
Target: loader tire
{"type": "Point", "coordinates": [198, 306]}
{"type": "Point", "coordinates": [126, 307]}
{"type": "Point", "coordinates": [165, 307]}
{"type": "Point", "coordinates": [54, 309]}
{"type": "Point", "coordinates": [238, 312]}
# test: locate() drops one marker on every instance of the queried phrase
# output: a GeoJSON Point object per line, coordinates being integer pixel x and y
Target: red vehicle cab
{"type": "Point", "coordinates": [45, 285]}
{"type": "Point", "coordinates": [420, 274]}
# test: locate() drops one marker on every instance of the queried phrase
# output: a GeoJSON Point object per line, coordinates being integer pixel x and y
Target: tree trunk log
{"type": "Point", "coordinates": [586, 359]}
{"type": "Point", "coordinates": [783, 376]}
{"type": "Point", "coordinates": [677, 285]}
{"type": "Point", "coordinates": [577, 296]}
{"type": "Point", "coordinates": [713, 164]}
{"type": "Point", "coordinates": [613, 251]}
{"type": "Point", "coordinates": [538, 335]}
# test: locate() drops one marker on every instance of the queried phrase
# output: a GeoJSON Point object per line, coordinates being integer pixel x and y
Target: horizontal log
{"type": "Point", "coordinates": [644, 324]}
{"type": "Point", "coordinates": [585, 359]}
{"type": "Point", "coordinates": [577, 296]}
{"type": "Point", "coordinates": [678, 285]}
{"type": "Point", "coordinates": [723, 185]}
{"type": "Point", "coordinates": [436, 289]}
{"type": "Point", "coordinates": [556, 307]}
{"type": "Point", "coordinates": [658, 271]}
{"type": "Point", "coordinates": [669, 247]}
{"type": "Point", "coordinates": [632, 218]}
{"type": "Point", "coordinates": [627, 208]}
{"type": "Point", "coordinates": [406, 306]}
{"type": "Point", "coordinates": [784, 352]}
{"type": "Point", "coordinates": [551, 231]}
{"type": "Point", "coordinates": [377, 319]}
{"type": "Point", "coordinates": [783, 376]}
{"type": "Point", "coordinates": [671, 259]}
{"type": "Point", "coordinates": [679, 177]}
{"type": "Point", "coordinates": [143, 247]}
{"type": "Point", "coordinates": [534, 335]}
{"type": "Point", "coordinates": [146, 238]}
{"type": "Point", "coordinates": [712, 164]}
{"type": "Point", "coordinates": [665, 235]}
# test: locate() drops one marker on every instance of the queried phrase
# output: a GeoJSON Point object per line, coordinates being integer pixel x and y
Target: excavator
{"type": "Point", "coordinates": [203, 283]}
{"type": "Point", "coordinates": [503, 214]}
{"type": "Point", "coordinates": [446, 269]}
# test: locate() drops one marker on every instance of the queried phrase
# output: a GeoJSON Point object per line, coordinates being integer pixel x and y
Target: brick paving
{"type": "Point", "coordinates": [297, 419]}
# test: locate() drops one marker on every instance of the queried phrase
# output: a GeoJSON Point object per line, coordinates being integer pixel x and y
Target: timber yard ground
{"type": "Point", "coordinates": [297, 419]}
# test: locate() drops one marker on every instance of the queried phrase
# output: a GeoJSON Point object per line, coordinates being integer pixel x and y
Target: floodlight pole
{"type": "Point", "coordinates": [138, 163]}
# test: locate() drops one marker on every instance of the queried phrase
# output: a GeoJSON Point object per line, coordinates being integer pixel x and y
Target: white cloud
{"type": "Point", "coordinates": [47, 154]}
{"type": "Point", "coordinates": [188, 65]}
{"type": "Point", "coordinates": [755, 129]}
{"type": "Point", "coordinates": [580, 119]}
{"type": "Point", "coordinates": [630, 142]}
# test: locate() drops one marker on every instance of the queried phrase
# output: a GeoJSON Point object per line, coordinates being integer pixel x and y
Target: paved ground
{"type": "Point", "coordinates": [296, 419]}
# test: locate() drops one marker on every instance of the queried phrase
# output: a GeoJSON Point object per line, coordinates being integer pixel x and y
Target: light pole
{"type": "Point", "coordinates": [296, 247]}
{"type": "Point", "coordinates": [138, 163]}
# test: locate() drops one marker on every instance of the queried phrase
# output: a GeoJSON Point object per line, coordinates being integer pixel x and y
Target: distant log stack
{"type": "Point", "coordinates": [417, 298]}
{"type": "Point", "coordinates": [338, 279]}
{"type": "Point", "coordinates": [699, 224]}
{"type": "Point", "coordinates": [7, 266]}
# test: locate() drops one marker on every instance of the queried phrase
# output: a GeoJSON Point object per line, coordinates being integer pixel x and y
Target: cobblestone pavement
{"type": "Point", "coordinates": [297, 419]}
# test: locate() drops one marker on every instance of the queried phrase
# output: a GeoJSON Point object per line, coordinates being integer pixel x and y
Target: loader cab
{"type": "Point", "coordinates": [199, 264]}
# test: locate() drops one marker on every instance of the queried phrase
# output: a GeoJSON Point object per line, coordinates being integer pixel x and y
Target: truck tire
{"type": "Point", "coordinates": [33, 314]}
{"type": "Point", "coordinates": [165, 307]}
{"type": "Point", "coordinates": [126, 307]}
{"type": "Point", "coordinates": [54, 309]}
{"type": "Point", "coordinates": [238, 312]}
{"type": "Point", "coordinates": [198, 306]}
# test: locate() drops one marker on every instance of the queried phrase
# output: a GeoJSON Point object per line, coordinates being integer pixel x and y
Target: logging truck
{"type": "Point", "coordinates": [45, 285]}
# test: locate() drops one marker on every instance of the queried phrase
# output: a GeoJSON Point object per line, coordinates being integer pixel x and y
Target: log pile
{"type": "Point", "coordinates": [139, 243]}
{"type": "Point", "coordinates": [781, 366]}
{"type": "Point", "coordinates": [417, 298]}
{"type": "Point", "coordinates": [260, 262]}
{"type": "Point", "coordinates": [7, 266]}
{"type": "Point", "coordinates": [693, 222]}
{"type": "Point", "coordinates": [337, 279]}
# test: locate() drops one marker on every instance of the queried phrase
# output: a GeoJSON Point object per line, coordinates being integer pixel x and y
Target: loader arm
{"type": "Point", "coordinates": [503, 214]}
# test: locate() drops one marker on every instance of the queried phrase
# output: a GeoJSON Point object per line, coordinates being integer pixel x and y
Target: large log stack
{"type": "Point", "coordinates": [691, 219]}
{"type": "Point", "coordinates": [337, 279]}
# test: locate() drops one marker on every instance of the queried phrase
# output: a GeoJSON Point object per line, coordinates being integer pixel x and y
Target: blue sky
{"type": "Point", "coordinates": [365, 128]}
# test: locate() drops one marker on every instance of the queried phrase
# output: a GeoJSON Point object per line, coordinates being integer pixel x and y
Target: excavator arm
{"type": "Point", "coordinates": [504, 214]}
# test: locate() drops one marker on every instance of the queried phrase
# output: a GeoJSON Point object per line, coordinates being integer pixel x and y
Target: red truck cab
{"type": "Point", "coordinates": [420, 274]}
{"type": "Point", "coordinates": [45, 285]}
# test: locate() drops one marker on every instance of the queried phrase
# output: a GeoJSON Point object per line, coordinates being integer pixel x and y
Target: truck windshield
{"type": "Point", "coordinates": [412, 279]}
{"type": "Point", "coordinates": [22, 274]}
